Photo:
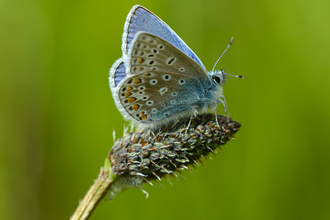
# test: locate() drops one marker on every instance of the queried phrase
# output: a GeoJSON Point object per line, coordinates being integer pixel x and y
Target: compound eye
{"type": "Point", "coordinates": [217, 79]}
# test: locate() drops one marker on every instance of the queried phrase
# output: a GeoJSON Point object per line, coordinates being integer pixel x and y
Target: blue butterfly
{"type": "Point", "coordinates": [159, 79]}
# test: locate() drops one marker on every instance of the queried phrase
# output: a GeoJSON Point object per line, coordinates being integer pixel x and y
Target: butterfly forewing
{"type": "Point", "coordinates": [117, 73]}
{"type": "Point", "coordinates": [149, 52]}
{"type": "Point", "coordinates": [141, 19]}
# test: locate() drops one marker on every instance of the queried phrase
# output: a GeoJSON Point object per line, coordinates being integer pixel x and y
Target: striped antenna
{"type": "Point", "coordinates": [237, 76]}
{"type": "Point", "coordinates": [230, 43]}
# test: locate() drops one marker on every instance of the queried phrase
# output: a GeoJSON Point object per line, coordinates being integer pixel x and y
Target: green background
{"type": "Point", "coordinates": [57, 112]}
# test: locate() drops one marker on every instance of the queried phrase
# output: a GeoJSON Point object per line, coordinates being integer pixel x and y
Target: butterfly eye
{"type": "Point", "coordinates": [216, 79]}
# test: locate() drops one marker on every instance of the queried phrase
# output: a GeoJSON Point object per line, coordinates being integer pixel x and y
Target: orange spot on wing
{"type": "Point", "coordinates": [143, 117]}
{"type": "Point", "coordinates": [131, 99]}
{"type": "Point", "coordinates": [137, 80]}
{"type": "Point", "coordinates": [129, 88]}
{"type": "Point", "coordinates": [127, 94]}
{"type": "Point", "coordinates": [135, 107]}
{"type": "Point", "coordinates": [147, 74]}
{"type": "Point", "coordinates": [140, 60]}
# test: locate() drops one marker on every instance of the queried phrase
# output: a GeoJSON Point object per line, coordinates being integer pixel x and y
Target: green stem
{"type": "Point", "coordinates": [94, 195]}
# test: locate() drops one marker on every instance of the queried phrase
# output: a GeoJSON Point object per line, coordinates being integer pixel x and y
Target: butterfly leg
{"type": "Point", "coordinates": [223, 101]}
{"type": "Point", "coordinates": [191, 117]}
{"type": "Point", "coordinates": [216, 115]}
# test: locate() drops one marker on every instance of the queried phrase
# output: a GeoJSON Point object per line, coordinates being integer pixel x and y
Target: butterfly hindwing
{"type": "Point", "coordinates": [154, 96]}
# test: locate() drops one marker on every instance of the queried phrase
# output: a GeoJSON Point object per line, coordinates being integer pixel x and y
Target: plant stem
{"type": "Point", "coordinates": [94, 195]}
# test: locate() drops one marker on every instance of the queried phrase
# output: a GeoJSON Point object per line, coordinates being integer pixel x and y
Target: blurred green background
{"type": "Point", "coordinates": [57, 112]}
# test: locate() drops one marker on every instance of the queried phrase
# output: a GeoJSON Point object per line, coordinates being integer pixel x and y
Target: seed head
{"type": "Point", "coordinates": [145, 155]}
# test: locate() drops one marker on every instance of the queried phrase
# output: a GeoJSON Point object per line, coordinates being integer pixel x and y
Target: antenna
{"type": "Point", "coordinates": [237, 76]}
{"type": "Point", "coordinates": [230, 43]}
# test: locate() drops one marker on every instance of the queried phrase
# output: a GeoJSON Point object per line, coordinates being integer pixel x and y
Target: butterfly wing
{"type": "Point", "coordinates": [141, 19]}
{"type": "Point", "coordinates": [150, 52]}
{"type": "Point", "coordinates": [117, 73]}
{"type": "Point", "coordinates": [161, 83]}
{"type": "Point", "coordinates": [151, 97]}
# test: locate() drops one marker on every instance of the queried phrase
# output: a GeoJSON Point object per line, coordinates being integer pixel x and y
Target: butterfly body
{"type": "Point", "coordinates": [159, 79]}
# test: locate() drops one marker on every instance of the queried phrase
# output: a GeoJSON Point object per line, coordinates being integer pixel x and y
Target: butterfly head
{"type": "Point", "coordinates": [218, 77]}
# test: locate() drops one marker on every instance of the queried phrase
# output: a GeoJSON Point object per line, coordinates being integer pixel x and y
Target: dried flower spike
{"type": "Point", "coordinates": [143, 155]}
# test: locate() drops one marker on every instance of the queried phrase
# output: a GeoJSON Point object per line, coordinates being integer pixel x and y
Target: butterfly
{"type": "Point", "coordinates": [159, 79]}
